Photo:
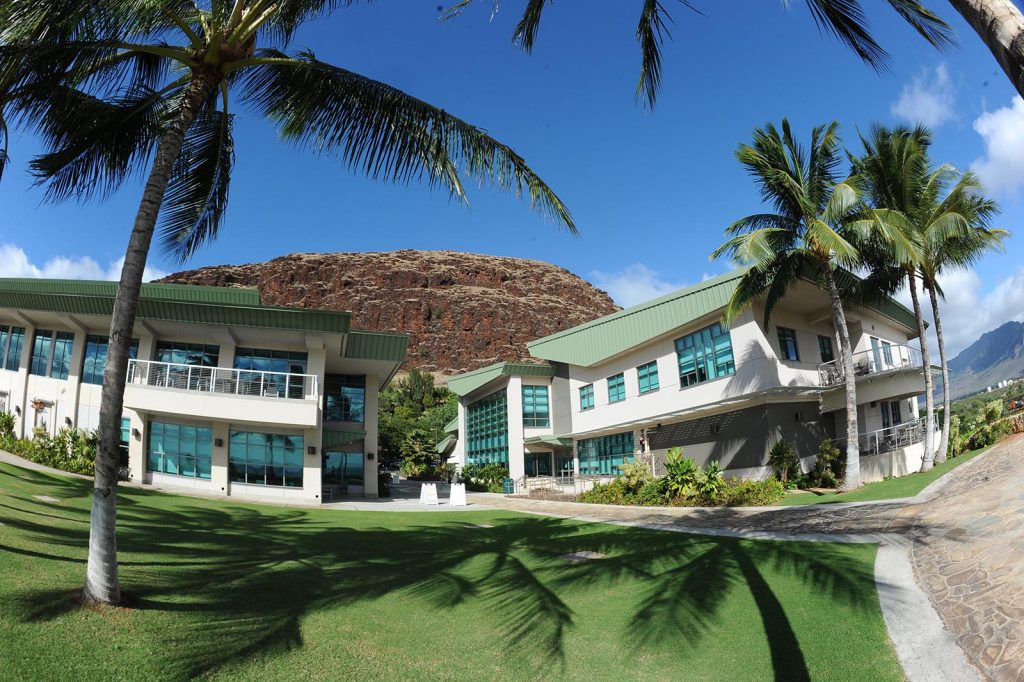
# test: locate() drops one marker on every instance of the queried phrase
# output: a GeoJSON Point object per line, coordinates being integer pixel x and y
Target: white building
{"type": "Point", "coordinates": [666, 374]}
{"type": "Point", "coordinates": [224, 395]}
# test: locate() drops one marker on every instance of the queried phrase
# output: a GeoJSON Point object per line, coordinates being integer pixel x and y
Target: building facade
{"type": "Point", "coordinates": [223, 394]}
{"type": "Point", "coordinates": [668, 374]}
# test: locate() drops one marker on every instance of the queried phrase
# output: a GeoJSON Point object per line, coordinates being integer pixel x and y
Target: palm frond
{"type": "Point", "coordinates": [845, 20]}
{"type": "Point", "coordinates": [824, 240]}
{"type": "Point", "coordinates": [928, 24]}
{"type": "Point", "coordinates": [381, 131]}
{"type": "Point", "coordinates": [525, 32]}
{"type": "Point", "coordinates": [757, 248]}
{"type": "Point", "coordinates": [651, 32]}
{"type": "Point", "coordinates": [197, 193]}
{"type": "Point", "coordinates": [4, 136]}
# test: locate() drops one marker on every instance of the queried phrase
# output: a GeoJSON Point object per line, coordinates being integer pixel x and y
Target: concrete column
{"type": "Point", "coordinates": [312, 465]}
{"type": "Point", "coordinates": [516, 449]}
{"type": "Point", "coordinates": [370, 466]}
{"type": "Point", "coordinates": [219, 479]}
{"type": "Point", "coordinates": [137, 446]}
{"type": "Point", "coordinates": [24, 426]}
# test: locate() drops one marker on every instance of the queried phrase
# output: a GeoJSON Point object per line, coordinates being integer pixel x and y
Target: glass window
{"type": "Point", "coordinates": [897, 417]}
{"type": "Point", "coordinates": [126, 426]}
{"type": "Point", "coordinates": [886, 423]}
{"type": "Point", "coordinates": [887, 353]}
{"type": "Point", "coordinates": [536, 411]}
{"type": "Point", "coordinates": [616, 388]}
{"type": "Point", "coordinates": [787, 344]}
{"type": "Point", "coordinates": [195, 354]}
{"type": "Point", "coordinates": [647, 377]}
{"type": "Point", "coordinates": [62, 346]}
{"type": "Point", "coordinates": [280, 362]}
{"type": "Point", "coordinates": [344, 398]}
{"type": "Point", "coordinates": [265, 459]}
{"type": "Point", "coordinates": [487, 430]}
{"type": "Point", "coordinates": [95, 360]}
{"type": "Point", "coordinates": [40, 362]}
{"type": "Point", "coordinates": [602, 456]}
{"type": "Point", "coordinates": [178, 449]}
{"type": "Point", "coordinates": [825, 346]}
{"type": "Point", "coordinates": [343, 468]}
{"type": "Point", "coordinates": [586, 397]}
{"type": "Point", "coordinates": [704, 355]}
{"type": "Point", "coordinates": [11, 341]}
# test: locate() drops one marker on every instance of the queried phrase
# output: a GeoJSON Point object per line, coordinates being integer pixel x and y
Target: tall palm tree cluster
{"type": "Point", "coordinates": [897, 219]}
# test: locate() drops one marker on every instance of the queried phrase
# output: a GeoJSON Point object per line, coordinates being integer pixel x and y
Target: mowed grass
{"type": "Point", "coordinates": [226, 590]}
{"type": "Point", "coordinates": [894, 488]}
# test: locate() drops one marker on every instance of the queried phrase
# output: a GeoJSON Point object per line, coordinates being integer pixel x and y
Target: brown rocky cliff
{"type": "Point", "coordinates": [461, 311]}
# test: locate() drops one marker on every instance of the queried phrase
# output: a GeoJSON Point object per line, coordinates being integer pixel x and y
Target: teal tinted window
{"type": "Point", "coordinates": [61, 363]}
{"type": "Point", "coordinates": [704, 355]}
{"type": "Point", "coordinates": [41, 346]}
{"type": "Point", "coordinates": [180, 353]}
{"type": "Point", "coordinates": [11, 341]}
{"type": "Point", "coordinates": [617, 388]}
{"type": "Point", "coordinates": [536, 411]}
{"type": "Point", "coordinates": [343, 468]}
{"type": "Point", "coordinates": [178, 449]}
{"type": "Point", "coordinates": [602, 456]}
{"type": "Point", "coordinates": [265, 459]}
{"type": "Point", "coordinates": [825, 347]}
{"type": "Point", "coordinates": [647, 377]}
{"type": "Point", "coordinates": [345, 398]}
{"type": "Point", "coordinates": [487, 430]}
{"type": "Point", "coordinates": [787, 344]}
{"type": "Point", "coordinates": [586, 397]}
{"type": "Point", "coordinates": [95, 360]}
{"type": "Point", "coordinates": [281, 362]}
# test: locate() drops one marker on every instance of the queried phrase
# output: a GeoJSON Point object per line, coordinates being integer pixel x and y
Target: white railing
{"type": "Point", "coordinates": [223, 380]}
{"type": "Point", "coordinates": [889, 439]}
{"type": "Point", "coordinates": [873, 361]}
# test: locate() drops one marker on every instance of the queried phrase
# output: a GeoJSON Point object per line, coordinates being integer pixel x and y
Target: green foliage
{"type": "Point", "coordinates": [635, 475]}
{"type": "Point", "coordinates": [993, 411]}
{"type": "Point", "coordinates": [446, 471]}
{"type": "Point", "coordinates": [6, 425]}
{"type": "Point", "coordinates": [828, 467]}
{"type": "Point", "coordinates": [957, 443]}
{"type": "Point", "coordinates": [684, 475]}
{"type": "Point", "coordinates": [740, 493]}
{"type": "Point", "coordinates": [486, 478]}
{"type": "Point", "coordinates": [653, 493]}
{"type": "Point", "coordinates": [711, 484]}
{"type": "Point", "coordinates": [71, 450]}
{"type": "Point", "coordinates": [782, 458]}
{"type": "Point", "coordinates": [412, 415]}
{"type": "Point", "coordinates": [989, 434]}
{"type": "Point", "coordinates": [613, 492]}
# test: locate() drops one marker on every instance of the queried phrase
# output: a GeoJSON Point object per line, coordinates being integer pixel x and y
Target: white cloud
{"type": "Point", "coordinates": [928, 99]}
{"type": "Point", "coordinates": [14, 262]}
{"type": "Point", "coordinates": [1002, 167]}
{"type": "Point", "coordinates": [969, 310]}
{"type": "Point", "coordinates": [637, 283]}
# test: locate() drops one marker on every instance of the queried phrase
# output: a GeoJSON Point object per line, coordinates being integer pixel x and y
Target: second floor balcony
{"type": "Point", "coordinates": [222, 393]}
{"type": "Point", "coordinates": [884, 358]}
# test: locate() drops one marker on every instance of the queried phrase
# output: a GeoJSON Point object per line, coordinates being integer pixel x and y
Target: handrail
{"type": "Point", "coordinates": [223, 380]}
{"type": "Point", "coordinates": [872, 361]}
{"type": "Point", "coordinates": [890, 438]}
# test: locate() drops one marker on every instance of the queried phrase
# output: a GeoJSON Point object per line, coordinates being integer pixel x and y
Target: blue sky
{"type": "Point", "coordinates": [650, 191]}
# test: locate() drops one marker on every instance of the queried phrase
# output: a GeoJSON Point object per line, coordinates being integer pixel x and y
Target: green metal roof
{"type": "Point", "coordinates": [464, 384]}
{"type": "Point", "coordinates": [376, 346]}
{"type": "Point", "coordinates": [563, 441]}
{"type": "Point", "coordinates": [443, 446]}
{"type": "Point", "coordinates": [452, 426]}
{"type": "Point", "coordinates": [335, 438]}
{"type": "Point", "coordinates": [168, 302]}
{"type": "Point", "coordinates": [605, 337]}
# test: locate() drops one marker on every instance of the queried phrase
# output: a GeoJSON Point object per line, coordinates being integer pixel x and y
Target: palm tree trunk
{"type": "Point", "coordinates": [940, 456]}
{"type": "Point", "coordinates": [927, 462]}
{"type": "Point", "coordinates": [851, 477]}
{"type": "Point", "coordinates": [1000, 24]}
{"type": "Point", "coordinates": [101, 583]}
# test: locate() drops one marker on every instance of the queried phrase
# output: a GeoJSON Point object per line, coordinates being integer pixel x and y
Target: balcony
{"type": "Point", "coordinates": [885, 358]}
{"type": "Point", "coordinates": [222, 393]}
{"type": "Point", "coordinates": [892, 438]}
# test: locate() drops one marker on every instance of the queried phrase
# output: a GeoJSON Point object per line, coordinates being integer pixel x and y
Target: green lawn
{"type": "Point", "coordinates": [238, 591]}
{"type": "Point", "coordinates": [894, 488]}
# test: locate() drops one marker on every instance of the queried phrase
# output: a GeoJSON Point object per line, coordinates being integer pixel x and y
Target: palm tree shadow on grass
{"type": "Point", "coordinates": [243, 579]}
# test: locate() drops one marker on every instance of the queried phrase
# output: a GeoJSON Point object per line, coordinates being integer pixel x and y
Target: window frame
{"type": "Point", "coordinates": [787, 336]}
{"type": "Point", "coordinates": [587, 392]}
{"type": "Point", "coordinates": [821, 348]}
{"type": "Point", "coordinates": [645, 375]}
{"type": "Point", "coordinates": [55, 341]}
{"type": "Point", "coordinates": [354, 410]}
{"type": "Point", "coordinates": [702, 348]}
{"type": "Point", "coordinates": [619, 387]}
{"type": "Point", "coordinates": [487, 432]}
{"type": "Point", "coordinates": [95, 341]}
{"type": "Point", "coordinates": [9, 360]}
{"type": "Point", "coordinates": [534, 421]}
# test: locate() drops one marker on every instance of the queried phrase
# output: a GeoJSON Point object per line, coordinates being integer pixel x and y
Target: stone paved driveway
{"type": "Point", "coordinates": [967, 537]}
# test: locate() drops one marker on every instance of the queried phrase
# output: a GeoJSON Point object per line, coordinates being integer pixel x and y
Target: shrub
{"type": "Point", "coordinates": [956, 441]}
{"type": "Point", "coordinates": [740, 493]}
{"type": "Point", "coordinates": [613, 492]}
{"type": "Point", "coordinates": [71, 450]}
{"type": "Point", "coordinates": [486, 478]}
{"type": "Point", "coordinates": [782, 458]}
{"type": "Point", "coordinates": [6, 425]}
{"type": "Point", "coordinates": [413, 469]}
{"type": "Point", "coordinates": [993, 411]}
{"type": "Point", "coordinates": [684, 475]}
{"type": "Point", "coordinates": [988, 435]}
{"type": "Point", "coordinates": [446, 471]}
{"type": "Point", "coordinates": [711, 484]}
{"type": "Point", "coordinates": [828, 467]}
{"type": "Point", "coordinates": [654, 492]}
{"type": "Point", "coordinates": [635, 475]}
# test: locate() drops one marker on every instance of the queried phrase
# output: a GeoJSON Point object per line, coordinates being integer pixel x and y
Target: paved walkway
{"type": "Point", "coordinates": [965, 535]}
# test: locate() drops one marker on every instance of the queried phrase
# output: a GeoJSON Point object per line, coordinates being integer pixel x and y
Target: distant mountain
{"type": "Point", "coordinates": [997, 355]}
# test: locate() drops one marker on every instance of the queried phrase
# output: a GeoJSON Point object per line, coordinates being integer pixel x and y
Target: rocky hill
{"type": "Point", "coordinates": [996, 355]}
{"type": "Point", "coordinates": [462, 311]}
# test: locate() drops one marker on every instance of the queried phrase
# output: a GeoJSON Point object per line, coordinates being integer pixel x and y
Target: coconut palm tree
{"type": "Point", "coordinates": [894, 174]}
{"type": "Point", "coordinates": [1000, 25]}
{"type": "Point", "coordinates": [943, 249]}
{"type": "Point", "coordinates": [121, 86]}
{"type": "Point", "coordinates": [804, 238]}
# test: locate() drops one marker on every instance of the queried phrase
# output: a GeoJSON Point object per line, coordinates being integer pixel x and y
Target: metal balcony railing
{"type": "Point", "coordinates": [223, 380]}
{"type": "Point", "coordinates": [888, 439]}
{"type": "Point", "coordinates": [874, 361]}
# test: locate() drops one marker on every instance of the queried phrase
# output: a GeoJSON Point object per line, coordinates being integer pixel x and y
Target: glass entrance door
{"type": "Point", "coordinates": [538, 464]}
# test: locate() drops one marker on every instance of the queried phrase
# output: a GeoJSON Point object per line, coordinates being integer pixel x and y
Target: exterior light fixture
{"type": "Point", "coordinates": [369, 456]}
{"type": "Point", "coordinates": [218, 442]}
{"type": "Point", "coordinates": [311, 450]}
{"type": "Point", "coordinates": [136, 434]}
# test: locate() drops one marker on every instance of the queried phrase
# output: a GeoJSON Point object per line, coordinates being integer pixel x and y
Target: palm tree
{"type": "Point", "coordinates": [894, 174]}
{"type": "Point", "coordinates": [966, 207]}
{"type": "Point", "coordinates": [803, 238]}
{"type": "Point", "coordinates": [1000, 24]}
{"type": "Point", "coordinates": [114, 86]}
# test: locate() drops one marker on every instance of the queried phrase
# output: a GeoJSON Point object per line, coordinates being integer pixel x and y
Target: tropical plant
{"type": "Point", "coordinates": [635, 475]}
{"type": "Point", "coordinates": [944, 217]}
{"type": "Point", "coordinates": [7, 423]}
{"type": "Point", "coordinates": [783, 460]}
{"type": "Point", "coordinates": [805, 238]}
{"type": "Point", "coordinates": [710, 486]}
{"type": "Point", "coordinates": [683, 474]}
{"type": "Point", "coordinates": [828, 466]}
{"type": "Point", "coordinates": [112, 86]}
